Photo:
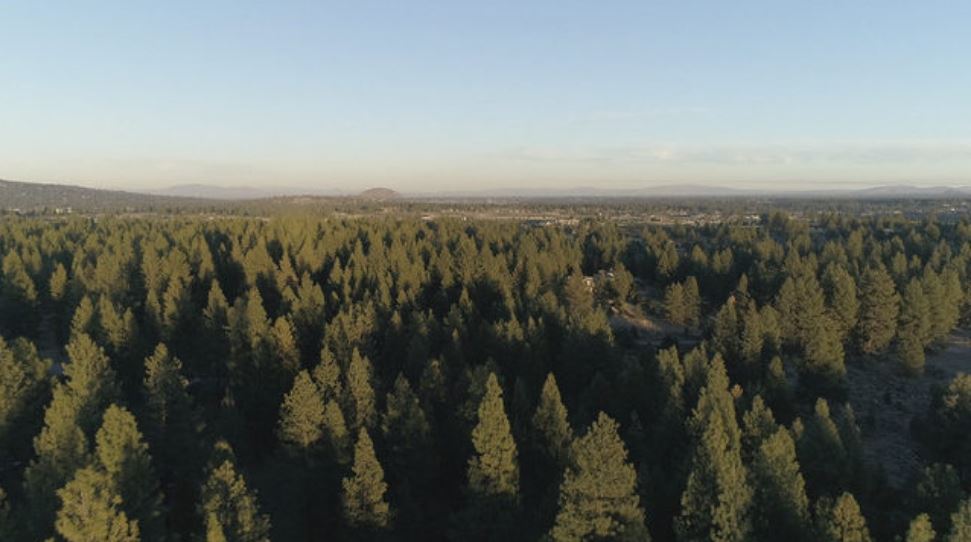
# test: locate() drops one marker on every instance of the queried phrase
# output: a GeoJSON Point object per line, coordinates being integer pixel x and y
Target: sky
{"type": "Point", "coordinates": [460, 95]}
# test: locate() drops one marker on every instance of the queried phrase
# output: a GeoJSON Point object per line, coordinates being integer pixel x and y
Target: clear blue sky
{"type": "Point", "coordinates": [465, 95]}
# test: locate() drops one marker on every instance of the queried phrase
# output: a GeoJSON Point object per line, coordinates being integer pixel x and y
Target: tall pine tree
{"type": "Point", "coordinates": [717, 500]}
{"type": "Point", "coordinates": [841, 520]}
{"type": "Point", "coordinates": [598, 496]}
{"type": "Point", "coordinates": [493, 471]}
{"type": "Point", "coordinates": [363, 499]}
{"type": "Point", "coordinates": [229, 508]}
{"type": "Point", "coordinates": [301, 424]}
{"type": "Point", "coordinates": [92, 510]}
{"type": "Point", "coordinates": [879, 306]}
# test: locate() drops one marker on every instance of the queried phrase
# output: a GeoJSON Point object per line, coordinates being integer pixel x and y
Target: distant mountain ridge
{"type": "Point", "coordinates": [32, 196]}
{"type": "Point", "coordinates": [379, 194]}
{"type": "Point", "coordinates": [209, 191]}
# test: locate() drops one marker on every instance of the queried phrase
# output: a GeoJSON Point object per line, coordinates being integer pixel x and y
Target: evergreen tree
{"type": "Point", "coordinates": [411, 459]}
{"type": "Point", "coordinates": [598, 495]}
{"type": "Point", "coordinates": [92, 510]}
{"type": "Point", "coordinates": [230, 509]}
{"type": "Point", "coordinates": [23, 378]}
{"type": "Point", "coordinates": [726, 331]}
{"type": "Point", "coordinates": [327, 376]}
{"type": "Point", "coordinates": [493, 471]}
{"type": "Point", "coordinates": [90, 380]}
{"type": "Point", "coordinates": [285, 348]}
{"type": "Point", "coordinates": [215, 320]}
{"type": "Point", "coordinates": [301, 423]}
{"type": "Point", "coordinates": [72, 415]}
{"type": "Point", "coordinates": [914, 329]}
{"type": "Point", "coordinates": [824, 369]}
{"type": "Point", "coordinates": [57, 285]}
{"type": "Point", "coordinates": [822, 453]}
{"type": "Point", "coordinates": [879, 306]}
{"type": "Point", "coordinates": [359, 394]}
{"type": "Point", "coordinates": [675, 308]}
{"type": "Point", "coordinates": [61, 448]}
{"type": "Point", "coordinates": [938, 492]}
{"type": "Point", "coordinates": [336, 435]}
{"type": "Point", "coordinates": [551, 425]}
{"type": "Point", "coordinates": [407, 431]}
{"type": "Point", "coordinates": [802, 308]}
{"type": "Point", "coordinates": [84, 321]}
{"type": "Point", "coordinates": [692, 302]}
{"type": "Point", "coordinates": [170, 429]}
{"type": "Point", "coordinates": [758, 424]}
{"type": "Point", "coordinates": [940, 303]}
{"type": "Point", "coordinates": [122, 455]}
{"type": "Point", "coordinates": [780, 505]}
{"type": "Point", "coordinates": [18, 297]}
{"type": "Point", "coordinates": [751, 341]}
{"type": "Point", "coordinates": [954, 295]}
{"type": "Point", "coordinates": [716, 502]}
{"type": "Point", "coordinates": [168, 407]}
{"type": "Point", "coordinates": [840, 289]}
{"type": "Point", "coordinates": [841, 520]}
{"type": "Point", "coordinates": [920, 530]}
{"type": "Point", "coordinates": [960, 523]}
{"type": "Point", "coordinates": [363, 497]}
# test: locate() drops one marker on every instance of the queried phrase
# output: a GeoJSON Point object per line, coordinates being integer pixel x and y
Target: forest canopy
{"type": "Point", "coordinates": [393, 377]}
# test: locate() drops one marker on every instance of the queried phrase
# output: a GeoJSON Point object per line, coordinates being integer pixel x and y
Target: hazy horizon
{"type": "Point", "coordinates": [420, 97]}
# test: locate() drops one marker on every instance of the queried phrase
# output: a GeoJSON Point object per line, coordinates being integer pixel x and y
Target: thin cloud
{"type": "Point", "coordinates": [852, 153]}
{"type": "Point", "coordinates": [607, 116]}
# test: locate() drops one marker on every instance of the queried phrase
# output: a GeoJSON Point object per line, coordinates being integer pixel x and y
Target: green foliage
{"type": "Point", "coordinates": [18, 296]}
{"type": "Point", "coordinates": [598, 495]}
{"type": "Point", "coordinates": [23, 379]}
{"type": "Point", "coordinates": [90, 380]}
{"type": "Point", "coordinates": [716, 502]}
{"type": "Point", "coordinates": [675, 305]}
{"type": "Point", "coordinates": [492, 473]}
{"type": "Point", "coordinates": [879, 307]}
{"type": "Point", "coordinates": [841, 298]}
{"type": "Point", "coordinates": [363, 498]}
{"type": "Point", "coordinates": [359, 394]}
{"type": "Point", "coordinates": [551, 424]}
{"type": "Point", "coordinates": [336, 434]}
{"type": "Point", "coordinates": [72, 415]}
{"type": "Point", "coordinates": [168, 406]}
{"type": "Point", "coordinates": [914, 329]}
{"type": "Point", "coordinates": [92, 510]}
{"type": "Point", "coordinates": [841, 520]}
{"type": "Point", "coordinates": [938, 492]}
{"type": "Point", "coordinates": [758, 424]}
{"type": "Point", "coordinates": [920, 530]}
{"type": "Point", "coordinates": [230, 509]}
{"type": "Point", "coordinates": [493, 469]}
{"type": "Point", "coordinates": [122, 456]}
{"type": "Point", "coordinates": [824, 368]}
{"type": "Point", "coordinates": [301, 423]}
{"type": "Point", "coordinates": [58, 282]}
{"type": "Point", "coordinates": [405, 427]}
{"type": "Point", "coordinates": [960, 523]}
{"type": "Point", "coordinates": [823, 453]}
{"type": "Point", "coordinates": [947, 427]}
{"type": "Point", "coordinates": [780, 505]}
{"type": "Point", "coordinates": [412, 318]}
